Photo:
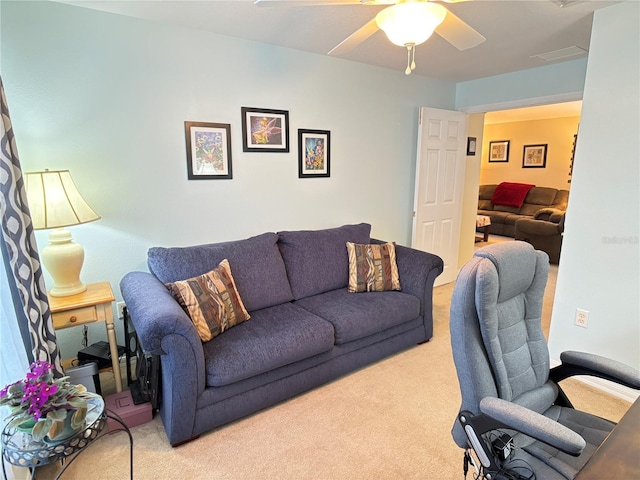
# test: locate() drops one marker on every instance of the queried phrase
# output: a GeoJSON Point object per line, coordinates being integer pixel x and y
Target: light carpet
{"type": "Point", "coordinates": [390, 420]}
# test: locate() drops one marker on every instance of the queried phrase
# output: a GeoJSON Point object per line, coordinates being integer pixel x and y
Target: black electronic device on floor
{"type": "Point", "coordinates": [146, 386]}
{"type": "Point", "coordinates": [99, 353]}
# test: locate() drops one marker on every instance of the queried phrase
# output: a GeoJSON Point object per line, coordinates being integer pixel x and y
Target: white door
{"type": "Point", "coordinates": [439, 186]}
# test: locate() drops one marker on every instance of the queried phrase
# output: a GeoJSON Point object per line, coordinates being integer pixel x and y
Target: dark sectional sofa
{"type": "Point", "coordinates": [504, 217]}
{"type": "Point", "coordinates": [305, 328]}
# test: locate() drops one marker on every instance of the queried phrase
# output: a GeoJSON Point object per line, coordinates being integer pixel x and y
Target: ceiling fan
{"type": "Point", "coordinates": [406, 23]}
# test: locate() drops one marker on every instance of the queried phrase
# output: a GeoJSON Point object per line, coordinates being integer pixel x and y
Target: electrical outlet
{"type": "Point", "coordinates": [582, 317]}
{"type": "Point", "coordinates": [120, 306]}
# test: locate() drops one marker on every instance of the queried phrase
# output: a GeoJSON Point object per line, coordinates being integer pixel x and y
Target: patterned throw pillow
{"type": "Point", "coordinates": [211, 301]}
{"type": "Point", "coordinates": [372, 268]}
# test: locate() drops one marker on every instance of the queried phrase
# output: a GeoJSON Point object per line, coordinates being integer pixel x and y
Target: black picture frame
{"type": "Point", "coordinates": [499, 151]}
{"type": "Point", "coordinates": [208, 151]}
{"type": "Point", "coordinates": [471, 146]}
{"type": "Point", "coordinates": [314, 153]}
{"type": "Point", "coordinates": [265, 130]}
{"type": "Point", "coordinates": [534, 156]}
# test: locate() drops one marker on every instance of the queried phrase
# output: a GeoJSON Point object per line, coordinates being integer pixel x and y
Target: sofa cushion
{"type": "Point", "coordinates": [316, 260]}
{"type": "Point", "coordinates": [506, 208]}
{"type": "Point", "coordinates": [485, 192]}
{"type": "Point", "coordinates": [358, 316]}
{"type": "Point", "coordinates": [541, 196]}
{"type": "Point", "coordinates": [275, 336]}
{"type": "Point", "coordinates": [372, 268]}
{"type": "Point", "coordinates": [211, 301]}
{"type": "Point", "coordinates": [499, 217]}
{"type": "Point", "coordinates": [485, 205]}
{"type": "Point", "coordinates": [257, 265]}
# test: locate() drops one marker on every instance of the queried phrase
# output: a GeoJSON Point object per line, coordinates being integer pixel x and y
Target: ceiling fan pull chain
{"type": "Point", "coordinates": [413, 58]}
{"type": "Point", "coordinates": [408, 70]}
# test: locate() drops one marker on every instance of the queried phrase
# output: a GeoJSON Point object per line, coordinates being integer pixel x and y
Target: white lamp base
{"type": "Point", "coordinates": [63, 259]}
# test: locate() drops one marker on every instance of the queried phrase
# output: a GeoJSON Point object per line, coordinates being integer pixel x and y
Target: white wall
{"type": "Point", "coordinates": [107, 96]}
{"type": "Point", "coordinates": [475, 128]}
{"type": "Point", "coordinates": [599, 270]}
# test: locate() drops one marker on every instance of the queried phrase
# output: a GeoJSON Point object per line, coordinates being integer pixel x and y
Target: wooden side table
{"type": "Point", "coordinates": [92, 305]}
{"type": "Point", "coordinates": [483, 221]}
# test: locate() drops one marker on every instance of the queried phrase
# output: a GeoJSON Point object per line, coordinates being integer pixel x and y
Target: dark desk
{"type": "Point", "coordinates": [619, 455]}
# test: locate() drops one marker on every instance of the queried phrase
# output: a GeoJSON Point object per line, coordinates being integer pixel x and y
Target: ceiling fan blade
{"type": "Point", "coordinates": [355, 38]}
{"type": "Point", "coordinates": [458, 33]}
{"type": "Point", "coordinates": [310, 3]}
{"type": "Point", "coordinates": [303, 3]}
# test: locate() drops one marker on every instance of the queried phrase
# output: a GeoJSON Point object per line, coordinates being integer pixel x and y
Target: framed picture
{"type": "Point", "coordinates": [265, 130]}
{"type": "Point", "coordinates": [534, 156]}
{"type": "Point", "coordinates": [314, 152]}
{"type": "Point", "coordinates": [471, 145]}
{"type": "Point", "coordinates": [499, 151]}
{"type": "Point", "coordinates": [208, 150]}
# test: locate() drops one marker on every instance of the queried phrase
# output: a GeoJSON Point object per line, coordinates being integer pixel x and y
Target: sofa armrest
{"type": "Point", "coordinates": [536, 227]}
{"type": "Point", "coordinates": [162, 325]}
{"type": "Point", "coordinates": [549, 214]}
{"type": "Point", "coordinates": [418, 271]}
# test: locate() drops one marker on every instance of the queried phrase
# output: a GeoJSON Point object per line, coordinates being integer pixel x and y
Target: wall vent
{"type": "Point", "coordinates": [572, 51]}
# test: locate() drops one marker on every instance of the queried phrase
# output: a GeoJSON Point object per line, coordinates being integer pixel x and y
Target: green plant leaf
{"type": "Point", "coordinates": [77, 420]}
{"type": "Point", "coordinates": [40, 429]}
{"type": "Point", "coordinates": [77, 402]}
{"type": "Point", "coordinates": [57, 415]}
{"type": "Point", "coordinates": [17, 420]}
{"type": "Point", "coordinates": [55, 429]}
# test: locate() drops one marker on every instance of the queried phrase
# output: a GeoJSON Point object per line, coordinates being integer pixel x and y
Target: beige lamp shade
{"type": "Point", "coordinates": [54, 203]}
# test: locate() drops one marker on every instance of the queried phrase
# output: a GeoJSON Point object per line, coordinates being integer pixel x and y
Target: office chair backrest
{"type": "Point", "coordinates": [498, 346]}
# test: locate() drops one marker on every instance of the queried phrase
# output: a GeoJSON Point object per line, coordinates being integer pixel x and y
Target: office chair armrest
{"type": "Point", "coordinates": [580, 363]}
{"type": "Point", "coordinates": [533, 424]}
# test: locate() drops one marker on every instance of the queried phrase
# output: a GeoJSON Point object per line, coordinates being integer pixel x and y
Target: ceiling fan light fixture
{"type": "Point", "coordinates": [410, 23]}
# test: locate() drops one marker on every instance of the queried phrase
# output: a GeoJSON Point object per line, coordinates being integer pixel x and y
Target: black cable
{"type": "Point", "coordinates": [465, 467]}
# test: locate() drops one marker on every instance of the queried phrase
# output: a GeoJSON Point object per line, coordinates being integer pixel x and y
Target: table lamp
{"type": "Point", "coordinates": [54, 203]}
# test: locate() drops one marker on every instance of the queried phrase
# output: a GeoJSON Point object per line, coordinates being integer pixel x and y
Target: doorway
{"type": "Point", "coordinates": [553, 127]}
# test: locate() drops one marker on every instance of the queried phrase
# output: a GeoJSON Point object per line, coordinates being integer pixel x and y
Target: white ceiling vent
{"type": "Point", "coordinates": [562, 53]}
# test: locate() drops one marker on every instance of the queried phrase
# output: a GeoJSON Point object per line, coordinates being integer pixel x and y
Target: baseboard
{"type": "Point", "coordinates": [619, 391]}
{"type": "Point", "coordinates": [612, 388]}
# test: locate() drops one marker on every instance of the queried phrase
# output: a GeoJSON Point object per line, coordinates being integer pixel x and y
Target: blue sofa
{"type": "Point", "coordinates": [305, 328]}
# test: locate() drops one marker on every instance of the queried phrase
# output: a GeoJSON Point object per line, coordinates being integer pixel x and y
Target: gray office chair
{"type": "Point", "coordinates": [515, 422]}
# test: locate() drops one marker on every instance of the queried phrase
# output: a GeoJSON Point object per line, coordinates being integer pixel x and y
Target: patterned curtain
{"type": "Point", "coordinates": [19, 239]}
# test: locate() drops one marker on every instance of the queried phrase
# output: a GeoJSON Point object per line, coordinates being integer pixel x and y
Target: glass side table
{"type": "Point", "coordinates": [19, 448]}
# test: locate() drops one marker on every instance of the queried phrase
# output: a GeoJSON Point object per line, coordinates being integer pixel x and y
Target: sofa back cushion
{"type": "Point", "coordinates": [541, 196]}
{"type": "Point", "coordinates": [561, 200]}
{"type": "Point", "coordinates": [317, 260]}
{"type": "Point", "coordinates": [484, 197]}
{"type": "Point", "coordinates": [537, 198]}
{"type": "Point", "coordinates": [258, 269]}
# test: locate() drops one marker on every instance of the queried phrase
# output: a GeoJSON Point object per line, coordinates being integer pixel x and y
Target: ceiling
{"type": "Point", "coordinates": [515, 30]}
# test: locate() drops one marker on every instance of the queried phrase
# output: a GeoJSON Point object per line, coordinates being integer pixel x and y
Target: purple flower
{"type": "Point", "coordinates": [38, 393]}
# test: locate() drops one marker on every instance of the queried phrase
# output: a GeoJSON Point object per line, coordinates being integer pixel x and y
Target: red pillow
{"type": "Point", "coordinates": [511, 194]}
